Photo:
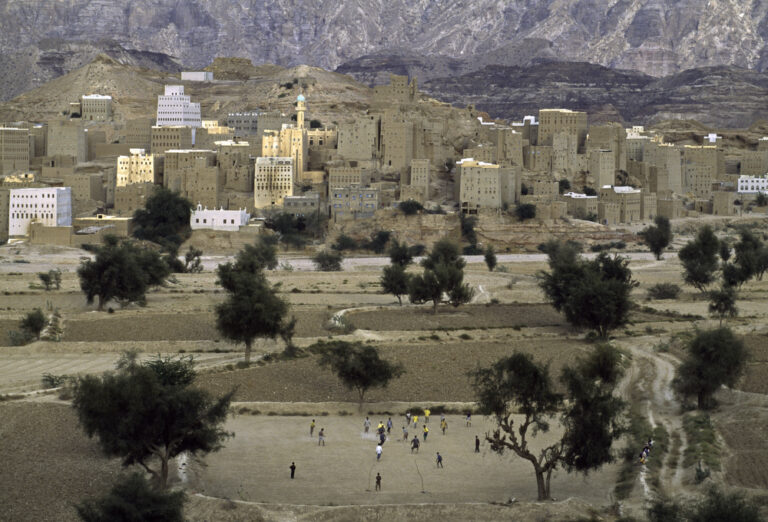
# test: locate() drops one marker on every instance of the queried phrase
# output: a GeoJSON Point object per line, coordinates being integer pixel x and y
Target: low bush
{"type": "Point", "coordinates": [664, 291]}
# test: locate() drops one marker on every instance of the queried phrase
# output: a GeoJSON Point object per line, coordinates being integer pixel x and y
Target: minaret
{"type": "Point", "coordinates": [300, 108]}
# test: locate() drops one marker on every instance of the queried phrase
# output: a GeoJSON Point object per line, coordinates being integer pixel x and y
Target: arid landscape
{"type": "Point", "coordinates": [50, 464]}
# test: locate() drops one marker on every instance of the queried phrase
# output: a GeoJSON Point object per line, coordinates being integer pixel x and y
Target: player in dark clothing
{"type": "Point", "coordinates": [477, 444]}
{"type": "Point", "coordinates": [415, 444]}
{"type": "Point", "coordinates": [378, 481]}
{"type": "Point", "coordinates": [293, 468]}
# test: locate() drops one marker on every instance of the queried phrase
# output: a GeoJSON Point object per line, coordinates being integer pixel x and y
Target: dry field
{"type": "Point", "coordinates": [254, 465]}
{"type": "Point", "coordinates": [435, 371]}
{"type": "Point", "coordinates": [49, 463]}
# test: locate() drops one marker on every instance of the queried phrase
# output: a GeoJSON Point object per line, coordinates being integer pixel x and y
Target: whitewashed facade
{"type": "Point", "coordinates": [753, 184]}
{"type": "Point", "coordinates": [197, 76]}
{"type": "Point", "coordinates": [229, 220]}
{"type": "Point", "coordinates": [52, 206]}
{"type": "Point", "coordinates": [174, 108]}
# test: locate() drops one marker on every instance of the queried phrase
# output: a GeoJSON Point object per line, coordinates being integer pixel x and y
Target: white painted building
{"type": "Point", "coordinates": [174, 108]}
{"type": "Point", "coordinates": [753, 184]}
{"type": "Point", "coordinates": [197, 76]}
{"type": "Point", "coordinates": [230, 220]}
{"type": "Point", "coordinates": [52, 206]}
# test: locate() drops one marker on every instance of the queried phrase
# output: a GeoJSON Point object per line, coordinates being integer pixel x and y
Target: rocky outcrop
{"type": "Point", "coordinates": [657, 37]}
{"type": "Point", "coordinates": [505, 233]}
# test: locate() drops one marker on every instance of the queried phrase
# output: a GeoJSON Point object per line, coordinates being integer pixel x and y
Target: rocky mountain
{"type": "Point", "coordinates": [657, 37]}
{"type": "Point", "coordinates": [719, 96]}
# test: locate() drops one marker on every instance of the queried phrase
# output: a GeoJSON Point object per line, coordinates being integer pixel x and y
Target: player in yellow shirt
{"type": "Point", "coordinates": [426, 416]}
{"type": "Point", "coordinates": [426, 432]}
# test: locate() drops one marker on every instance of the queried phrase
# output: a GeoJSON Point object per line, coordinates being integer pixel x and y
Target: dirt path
{"type": "Point", "coordinates": [652, 372]}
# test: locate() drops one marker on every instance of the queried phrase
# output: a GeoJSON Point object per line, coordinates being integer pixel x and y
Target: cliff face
{"type": "Point", "coordinates": [717, 96]}
{"type": "Point", "coordinates": [657, 37]}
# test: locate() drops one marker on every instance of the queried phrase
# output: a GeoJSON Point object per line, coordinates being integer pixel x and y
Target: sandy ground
{"type": "Point", "coordinates": [254, 465]}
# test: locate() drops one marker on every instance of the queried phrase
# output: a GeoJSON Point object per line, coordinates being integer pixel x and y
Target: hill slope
{"type": "Point", "coordinates": [657, 37]}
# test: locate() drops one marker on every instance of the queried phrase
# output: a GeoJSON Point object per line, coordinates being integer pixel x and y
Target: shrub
{"type": "Point", "coordinates": [344, 242]}
{"type": "Point", "coordinates": [326, 261]}
{"type": "Point", "coordinates": [54, 381]}
{"type": "Point", "coordinates": [525, 211]}
{"type": "Point", "coordinates": [410, 207]}
{"type": "Point", "coordinates": [664, 291]}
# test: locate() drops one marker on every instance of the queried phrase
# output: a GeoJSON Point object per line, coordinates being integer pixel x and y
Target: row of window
{"type": "Point", "coordinates": [213, 221]}
{"type": "Point", "coordinates": [17, 215]}
{"type": "Point", "coordinates": [31, 205]}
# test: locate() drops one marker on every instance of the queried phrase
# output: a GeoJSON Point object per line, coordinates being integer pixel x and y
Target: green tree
{"type": "Point", "coordinates": [490, 258]}
{"type": "Point", "coordinates": [359, 367]}
{"type": "Point", "coordinates": [192, 262]}
{"type": "Point", "coordinates": [761, 200]}
{"type": "Point", "coordinates": [344, 242]}
{"type": "Point", "coordinates": [563, 186]}
{"type": "Point", "coordinates": [400, 253]}
{"type": "Point", "coordinates": [164, 220]}
{"type": "Point", "coordinates": [699, 259]}
{"type": "Point", "coordinates": [750, 255]}
{"type": "Point", "coordinates": [525, 211]}
{"type": "Point", "coordinates": [120, 271]}
{"type": "Point", "coordinates": [443, 274]}
{"type": "Point", "coordinates": [590, 413]}
{"type": "Point", "coordinates": [379, 241]}
{"type": "Point", "coordinates": [262, 255]}
{"type": "Point", "coordinates": [147, 417]}
{"type": "Point", "coordinates": [592, 294]}
{"type": "Point", "coordinates": [46, 279]}
{"type": "Point", "coordinates": [394, 280]}
{"type": "Point", "coordinates": [132, 499]}
{"type": "Point", "coordinates": [328, 261]}
{"type": "Point", "coordinates": [252, 308]}
{"type": "Point", "coordinates": [658, 237]}
{"type": "Point", "coordinates": [287, 331]}
{"type": "Point", "coordinates": [410, 207]}
{"type": "Point", "coordinates": [714, 357]}
{"type": "Point", "coordinates": [32, 324]}
{"type": "Point", "coordinates": [468, 229]}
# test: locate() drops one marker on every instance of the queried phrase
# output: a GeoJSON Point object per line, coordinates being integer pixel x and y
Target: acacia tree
{"type": "Point", "coordinates": [490, 258]}
{"type": "Point", "coordinates": [32, 324]}
{"type": "Point", "coordinates": [722, 303]}
{"type": "Point", "coordinates": [400, 253]}
{"type": "Point", "coordinates": [592, 294]}
{"type": "Point", "coordinates": [164, 219]}
{"type": "Point", "coordinates": [443, 274]}
{"type": "Point", "coordinates": [590, 413]}
{"type": "Point", "coordinates": [328, 261]}
{"type": "Point", "coordinates": [751, 255]}
{"type": "Point", "coordinates": [699, 259]}
{"type": "Point", "coordinates": [120, 271]}
{"type": "Point", "coordinates": [149, 413]}
{"type": "Point", "coordinates": [394, 280]}
{"type": "Point", "coordinates": [658, 237]}
{"type": "Point", "coordinates": [252, 308]}
{"type": "Point", "coordinates": [715, 357]}
{"type": "Point", "coordinates": [359, 367]}
{"type": "Point", "coordinates": [132, 498]}
{"type": "Point", "coordinates": [262, 255]}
